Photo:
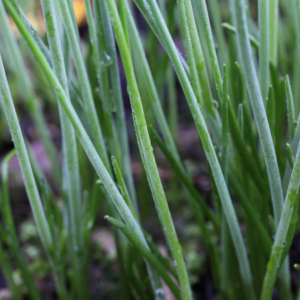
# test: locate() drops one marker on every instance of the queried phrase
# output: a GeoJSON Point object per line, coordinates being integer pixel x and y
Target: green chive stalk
{"type": "Point", "coordinates": [147, 154]}
{"type": "Point", "coordinates": [199, 77]}
{"type": "Point", "coordinates": [275, 260]}
{"type": "Point", "coordinates": [225, 124]}
{"type": "Point", "coordinates": [211, 47]}
{"type": "Point", "coordinates": [114, 77]}
{"type": "Point", "coordinates": [84, 81]}
{"type": "Point", "coordinates": [264, 51]}
{"type": "Point", "coordinates": [273, 29]}
{"type": "Point", "coordinates": [156, 20]}
{"type": "Point", "coordinates": [19, 143]}
{"type": "Point", "coordinates": [290, 107]}
{"type": "Point", "coordinates": [216, 20]}
{"type": "Point", "coordinates": [71, 176]}
{"type": "Point", "coordinates": [141, 60]}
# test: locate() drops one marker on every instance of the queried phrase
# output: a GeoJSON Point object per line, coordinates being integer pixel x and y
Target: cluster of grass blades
{"type": "Point", "coordinates": [233, 76]}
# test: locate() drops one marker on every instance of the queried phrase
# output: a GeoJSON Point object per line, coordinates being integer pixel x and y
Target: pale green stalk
{"type": "Point", "coordinates": [154, 17]}
{"type": "Point", "coordinates": [147, 154]}
{"type": "Point", "coordinates": [199, 76]}
{"type": "Point", "coordinates": [294, 8]}
{"type": "Point", "coordinates": [273, 29]}
{"type": "Point", "coordinates": [274, 263]}
{"type": "Point", "coordinates": [114, 76]}
{"type": "Point", "coordinates": [187, 36]}
{"type": "Point", "coordinates": [225, 141]}
{"type": "Point", "coordinates": [216, 20]}
{"type": "Point", "coordinates": [84, 82]}
{"type": "Point", "coordinates": [141, 59]}
{"type": "Point", "coordinates": [103, 61]}
{"type": "Point", "coordinates": [172, 115]}
{"type": "Point", "coordinates": [92, 29]}
{"type": "Point", "coordinates": [294, 142]}
{"type": "Point", "coordinates": [290, 107]}
{"type": "Point", "coordinates": [225, 234]}
{"type": "Point", "coordinates": [72, 19]}
{"type": "Point", "coordinates": [211, 47]}
{"type": "Point", "coordinates": [31, 188]}
{"type": "Point", "coordinates": [264, 51]}
{"type": "Point", "coordinates": [71, 176]}
{"type": "Point", "coordinates": [240, 118]}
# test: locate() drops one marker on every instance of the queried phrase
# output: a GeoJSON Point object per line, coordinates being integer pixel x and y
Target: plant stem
{"type": "Point", "coordinates": [264, 51]}
{"type": "Point", "coordinates": [273, 29]}
{"type": "Point", "coordinates": [258, 108]}
{"type": "Point", "coordinates": [20, 146]}
{"type": "Point", "coordinates": [114, 76]}
{"type": "Point", "coordinates": [156, 19]}
{"type": "Point", "coordinates": [71, 178]}
{"type": "Point", "coordinates": [275, 260]}
{"type": "Point", "coordinates": [84, 83]}
{"type": "Point", "coordinates": [199, 77]}
{"type": "Point", "coordinates": [290, 107]}
{"type": "Point", "coordinates": [147, 153]}
{"type": "Point", "coordinates": [211, 48]}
